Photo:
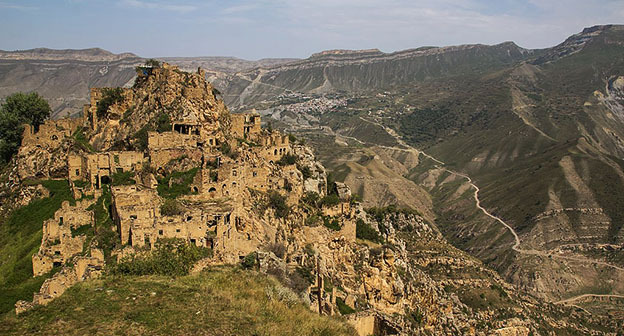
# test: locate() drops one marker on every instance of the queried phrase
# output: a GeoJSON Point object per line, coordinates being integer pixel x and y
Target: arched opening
{"type": "Point", "coordinates": [275, 151]}
{"type": "Point", "coordinates": [195, 189]}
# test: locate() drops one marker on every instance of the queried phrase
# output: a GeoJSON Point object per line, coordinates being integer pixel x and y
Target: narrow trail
{"type": "Point", "coordinates": [578, 297]}
{"type": "Point", "coordinates": [517, 242]}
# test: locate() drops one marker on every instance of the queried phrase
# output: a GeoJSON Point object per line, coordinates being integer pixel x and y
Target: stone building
{"type": "Point", "coordinates": [140, 222]}
{"type": "Point", "coordinates": [51, 133]}
{"type": "Point", "coordinates": [133, 210]}
{"type": "Point", "coordinates": [273, 146]}
{"type": "Point", "coordinates": [246, 125]}
{"type": "Point", "coordinates": [167, 146]}
{"type": "Point", "coordinates": [59, 242]}
{"type": "Point", "coordinates": [98, 168]}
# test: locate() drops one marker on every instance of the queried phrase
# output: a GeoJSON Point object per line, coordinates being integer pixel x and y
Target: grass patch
{"type": "Point", "coordinates": [180, 184]}
{"type": "Point", "coordinates": [365, 231]}
{"type": "Point", "coordinates": [331, 223]}
{"type": "Point", "coordinates": [20, 238]}
{"type": "Point", "coordinates": [344, 308]}
{"type": "Point", "coordinates": [123, 178]}
{"type": "Point", "coordinates": [219, 301]}
{"type": "Point", "coordinates": [172, 258]}
{"type": "Point", "coordinates": [80, 139]}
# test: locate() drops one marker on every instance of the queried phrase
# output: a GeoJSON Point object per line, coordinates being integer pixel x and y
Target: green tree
{"type": "Point", "coordinates": [18, 109]}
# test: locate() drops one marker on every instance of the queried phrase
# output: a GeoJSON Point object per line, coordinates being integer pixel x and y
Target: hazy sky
{"type": "Point", "coordinates": [292, 28]}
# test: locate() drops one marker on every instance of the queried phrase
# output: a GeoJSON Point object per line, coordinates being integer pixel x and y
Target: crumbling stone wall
{"type": "Point", "coordinates": [99, 167]}
{"type": "Point", "coordinates": [50, 133]}
{"type": "Point", "coordinates": [83, 268]}
{"type": "Point", "coordinates": [58, 243]}
{"type": "Point", "coordinates": [246, 125]}
{"type": "Point", "coordinates": [133, 209]}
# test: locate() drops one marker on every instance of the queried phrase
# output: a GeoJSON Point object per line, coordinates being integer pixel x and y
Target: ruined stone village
{"type": "Point", "coordinates": [165, 160]}
{"type": "Point", "coordinates": [231, 161]}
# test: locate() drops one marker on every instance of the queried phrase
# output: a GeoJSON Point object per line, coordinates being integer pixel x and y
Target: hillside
{"type": "Point", "coordinates": [161, 179]}
{"type": "Point", "coordinates": [538, 131]}
{"type": "Point", "coordinates": [369, 70]}
{"type": "Point", "coordinates": [219, 301]}
{"type": "Point", "coordinates": [64, 77]}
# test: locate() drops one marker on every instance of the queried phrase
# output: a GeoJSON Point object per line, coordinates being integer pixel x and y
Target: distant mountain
{"type": "Point", "coordinates": [540, 132]}
{"type": "Point", "coordinates": [223, 64]}
{"type": "Point", "coordinates": [64, 77]}
{"type": "Point", "coordinates": [365, 70]}
{"type": "Point", "coordinates": [93, 54]}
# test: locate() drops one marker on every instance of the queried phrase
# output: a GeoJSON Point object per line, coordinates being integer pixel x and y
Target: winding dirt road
{"type": "Point", "coordinates": [517, 242]}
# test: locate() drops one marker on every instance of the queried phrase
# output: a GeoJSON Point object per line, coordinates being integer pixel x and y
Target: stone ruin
{"type": "Point", "coordinates": [234, 157]}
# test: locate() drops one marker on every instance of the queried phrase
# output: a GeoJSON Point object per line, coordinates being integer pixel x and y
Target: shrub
{"type": "Point", "coordinates": [306, 273]}
{"type": "Point", "coordinates": [18, 109]}
{"type": "Point", "coordinates": [171, 258]}
{"type": "Point", "coordinates": [310, 198]}
{"type": "Point", "coordinates": [344, 308]}
{"type": "Point", "coordinates": [153, 63]}
{"type": "Point", "coordinates": [170, 207]}
{"type": "Point", "coordinates": [140, 138]}
{"type": "Point", "coordinates": [331, 223]}
{"type": "Point", "coordinates": [306, 172]}
{"type": "Point", "coordinates": [123, 178]}
{"type": "Point", "coordinates": [278, 203]}
{"type": "Point", "coordinates": [163, 123]}
{"type": "Point", "coordinates": [287, 159]}
{"type": "Point", "coordinates": [415, 317]}
{"type": "Point", "coordinates": [365, 231]}
{"type": "Point", "coordinates": [225, 148]}
{"type": "Point", "coordinates": [330, 200]}
{"type": "Point", "coordinates": [312, 221]}
{"type": "Point", "coordinates": [181, 184]}
{"type": "Point", "coordinates": [250, 260]}
{"type": "Point", "coordinates": [81, 140]}
{"type": "Point", "coordinates": [109, 97]}
{"type": "Point", "coordinates": [81, 184]}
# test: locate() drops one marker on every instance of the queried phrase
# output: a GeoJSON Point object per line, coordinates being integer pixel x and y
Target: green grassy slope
{"type": "Point", "coordinates": [219, 301]}
{"type": "Point", "coordinates": [20, 238]}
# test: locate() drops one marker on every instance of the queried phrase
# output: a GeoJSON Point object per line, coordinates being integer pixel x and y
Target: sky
{"type": "Point", "coordinates": [292, 28]}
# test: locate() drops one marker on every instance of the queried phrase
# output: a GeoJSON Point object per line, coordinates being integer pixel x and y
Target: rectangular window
{"type": "Point", "coordinates": [77, 172]}
{"type": "Point", "coordinates": [160, 232]}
